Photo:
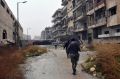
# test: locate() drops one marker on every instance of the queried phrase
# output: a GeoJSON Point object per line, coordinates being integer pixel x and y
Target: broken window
{"type": "Point", "coordinates": [73, 3]}
{"type": "Point", "coordinates": [3, 4]}
{"type": "Point", "coordinates": [112, 11]}
{"type": "Point", "coordinates": [100, 15]}
{"type": "Point", "coordinates": [117, 30]}
{"type": "Point", "coordinates": [4, 34]}
{"type": "Point", "coordinates": [96, 32]}
{"type": "Point", "coordinates": [14, 36]}
{"type": "Point", "coordinates": [106, 32]}
{"type": "Point", "coordinates": [8, 11]}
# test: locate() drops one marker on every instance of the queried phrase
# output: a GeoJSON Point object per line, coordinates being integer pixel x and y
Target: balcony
{"type": "Point", "coordinates": [59, 34]}
{"type": "Point", "coordinates": [64, 2]}
{"type": "Point", "coordinates": [96, 7]}
{"type": "Point", "coordinates": [99, 2]}
{"type": "Point", "coordinates": [80, 17]}
{"type": "Point", "coordinates": [100, 6]}
{"type": "Point", "coordinates": [109, 35]}
{"type": "Point", "coordinates": [77, 5]}
{"type": "Point", "coordinates": [57, 18]}
{"type": "Point", "coordinates": [117, 34]}
{"type": "Point", "coordinates": [100, 22]}
{"type": "Point", "coordinates": [57, 23]}
{"type": "Point", "coordinates": [59, 29]}
{"type": "Point", "coordinates": [104, 36]}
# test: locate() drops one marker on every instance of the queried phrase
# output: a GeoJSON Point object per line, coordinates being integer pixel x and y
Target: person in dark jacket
{"type": "Point", "coordinates": [73, 49]}
{"type": "Point", "coordinates": [66, 46]}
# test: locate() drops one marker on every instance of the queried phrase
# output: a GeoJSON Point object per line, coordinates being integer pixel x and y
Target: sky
{"type": "Point", "coordinates": [34, 15]}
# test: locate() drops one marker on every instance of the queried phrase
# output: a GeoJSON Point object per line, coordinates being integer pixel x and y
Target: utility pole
{"type": "Point", "coordinates": [17, 25]}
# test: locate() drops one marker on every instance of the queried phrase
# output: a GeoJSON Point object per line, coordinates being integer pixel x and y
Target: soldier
{"type": "Point", "coordinates": [73, 49]}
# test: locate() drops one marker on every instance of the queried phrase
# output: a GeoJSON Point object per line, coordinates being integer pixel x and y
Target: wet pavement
{"type": "Point", "coordinates": [54, 65]}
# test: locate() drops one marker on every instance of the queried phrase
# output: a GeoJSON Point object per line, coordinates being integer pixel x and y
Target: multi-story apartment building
{"type": "Point", "coordinates": [64, 21]}
{"type": "Point", "coordinates": [94, 21]}
{"type": "Point", "coordinates": [97, 20]}
{"type": "Point", "coordinates": [70, 18]}
{"type": "Point", "coordinates": [43, 35]}
{"type": "Point", "coordinates": [10, 29]}
{"type": "Point", "coordinates": [80, 19]}
{"type": "Point", "coordinates": [46, 34]}
{"type": "Point", "coordinates": [37, 38]}
{"type": "Point", "coordinates": [103, 20]}
{"type": "Point", "coordinates": [57, 25]}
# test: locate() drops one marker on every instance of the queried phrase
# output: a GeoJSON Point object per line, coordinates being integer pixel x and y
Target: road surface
{"type": "Point", "coordinates": [54, 65]}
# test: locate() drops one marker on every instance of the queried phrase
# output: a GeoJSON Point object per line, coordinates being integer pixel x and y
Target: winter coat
{"type": "Point", "coordinates": [73, 47]}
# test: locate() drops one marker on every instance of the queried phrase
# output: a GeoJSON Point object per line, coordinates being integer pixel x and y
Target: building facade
{"type": "Point", "coordinates": [46, 34]}
{"type": "Point", "coordinates": [37, 38]}
{"type": "Point", "coordinates": [57, 29]}
{"type": "Point", "coordinates": [80, 19]}
{"type": "Point", "coordinates": [9, 27]}
{"type": "Point", "coordinates": [103, 21]}
{"type": "Point", "coordinates": [43, 35]}
{"type": "Point", "coordinates": [93, 21]}
{"type": "Point", "coordinates": [70, 19]}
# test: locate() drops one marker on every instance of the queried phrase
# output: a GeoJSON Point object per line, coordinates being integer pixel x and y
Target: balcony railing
{"type": "Point", "coordinates": [117, 34]}
{"type": "Point", "coordinates": [109, 35]}
{"type": "Point", "coordinates": [95, 6]}
{"type": "Point", "coordinates": [81, 16]}
{"type": "Point", "coordinates": [77, 5]}
{"type": "Point", "coordinates": [57, 18]}
{"type": "Point", "coordinates": [57, 23]}
{"type": "Point", "coordinates": [99, 3]}
{"type": "Point", "coordinates": [104, 35]}
{"type": "Point", "coordinates": [100, 22]}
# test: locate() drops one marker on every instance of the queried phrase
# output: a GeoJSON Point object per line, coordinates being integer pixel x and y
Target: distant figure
{"type": "Point", "coordinates": [66, 46]}
{"type": "Point", "coordinates": [56, 46]}
{"type": "Point", "coordinates": [72, 50]}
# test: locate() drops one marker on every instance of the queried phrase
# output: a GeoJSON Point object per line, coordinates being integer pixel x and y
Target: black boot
{"type": "Point", "coordinates": [74, 71]}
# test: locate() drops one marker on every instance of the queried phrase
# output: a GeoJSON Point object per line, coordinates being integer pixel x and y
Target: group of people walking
{"type": "Point", "coordinates": [72, 47]}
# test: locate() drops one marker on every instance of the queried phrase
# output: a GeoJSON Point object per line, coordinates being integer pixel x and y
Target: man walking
{"type": "Point", "coordinates": [66, 46]}
{"type": "Point", "coordinates": [73, 49]}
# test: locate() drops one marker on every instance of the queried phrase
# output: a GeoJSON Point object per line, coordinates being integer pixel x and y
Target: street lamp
{"type": "Point", "coordinates": [17, 28]}
{"type": "Point", "coordinates": [18, 9]}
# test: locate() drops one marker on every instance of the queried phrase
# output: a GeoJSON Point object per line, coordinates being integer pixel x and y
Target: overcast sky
{"type": "Point", "coordinates": [35, 14]}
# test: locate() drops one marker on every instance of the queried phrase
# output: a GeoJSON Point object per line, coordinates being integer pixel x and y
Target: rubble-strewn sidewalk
{"type": "Point", "coordinates": [54, 65]}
